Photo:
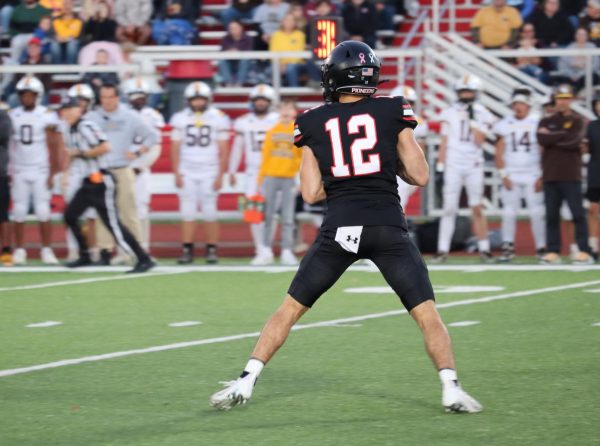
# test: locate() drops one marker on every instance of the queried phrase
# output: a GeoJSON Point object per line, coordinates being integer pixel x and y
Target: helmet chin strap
{"type": "Point", "coordinates": [466, 100]}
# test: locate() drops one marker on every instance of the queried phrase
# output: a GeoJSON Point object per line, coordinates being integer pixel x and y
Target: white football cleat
{"type": "Point", "coordinates": [288, 258]}
{"type": "Point", "coordinates": [19, 256]}
{"type": "Point", "coordinates": [263, 258]}
{"type": "Point", "coordinates": [48, 257]}
{"type": "Point", "coordinates": [456, 400]}
{"type": "Point", "coordinates": [235, 393]}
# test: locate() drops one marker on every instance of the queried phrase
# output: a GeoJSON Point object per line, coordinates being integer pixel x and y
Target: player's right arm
{"type": "Point", "coordinates": [175, 152]}
{"type": "Point", "coordinates": [413, 167]}
{"type": "Point", "coordinates": [311, 181]}
{"type": "Point", "coordinates": [500, 163]}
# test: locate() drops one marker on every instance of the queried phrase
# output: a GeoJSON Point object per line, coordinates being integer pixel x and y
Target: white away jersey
{"type": "Point", "coordinates": [456, 126]}
{"type": "Point", "coordinates": [252, 129]}
{"type": "Point", "coordinates": [30, 149]}
{"type": "Point", "coordinates": [199, 134]}
{"type": "Point", "coordinates": [522, 152]}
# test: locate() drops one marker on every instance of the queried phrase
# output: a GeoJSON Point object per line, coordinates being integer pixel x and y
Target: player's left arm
{"type": "Point", "coordinates": [311, 181]}
{"type": "Point", "coordinates": [223, 137]}
{"type": "Point", "coordinates": [149, 136]}
{"type": "Point", "coordinates": [412, 166]}
{"type": "Point", "coordinates": [56, 148]}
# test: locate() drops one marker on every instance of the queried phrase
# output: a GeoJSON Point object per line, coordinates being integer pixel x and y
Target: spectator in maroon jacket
{"type": "Point", "coordinates": [360, 20]}
{"type": "Point", "coordinates": [552, 26]}
{"type": "Point", "coordinates": [235, 72]}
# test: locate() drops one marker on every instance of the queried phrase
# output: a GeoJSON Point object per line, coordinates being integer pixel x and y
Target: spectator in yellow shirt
{"type": "Point", "coordinates": [67, 29]}
{"type": "Point", "coordinates": [289, 38]}
{"type": "Point", "coordinates": [496, 26]}
{"type": "Point", "coordinates": [279, 169]}
{"type": "Point", "coordinates": [56, 6]}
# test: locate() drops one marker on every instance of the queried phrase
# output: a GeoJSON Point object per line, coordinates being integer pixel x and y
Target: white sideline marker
{"type": "Point", "coordinates": [597, 324]}
{"type": "Point", "coordinates": [44, 324]}
{"type": "Point", "coordinates": [364, 317]}
{"type": "Point", "coordinates": [463, 323]}
{"type": "Point", "coordinates": [185, 324]}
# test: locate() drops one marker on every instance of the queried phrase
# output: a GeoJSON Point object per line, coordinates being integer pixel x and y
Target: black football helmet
{"type": "Point", "coordinates": [351, 68]}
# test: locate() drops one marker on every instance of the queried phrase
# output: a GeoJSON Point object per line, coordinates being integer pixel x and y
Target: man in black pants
{"type": "Point", "coordinates": [593, 177]}
{"type": "Point", "coordinates": [87, 146]}
{"type": "Point", "coordinates": [5, 132]}
{"type": "Point", "coordinates": [561, 135]}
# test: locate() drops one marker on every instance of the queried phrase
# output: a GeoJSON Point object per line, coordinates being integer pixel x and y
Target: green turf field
{"type": "Point", "coordinates": [532, 360]}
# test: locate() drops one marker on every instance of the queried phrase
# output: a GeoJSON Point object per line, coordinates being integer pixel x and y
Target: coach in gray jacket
{"type": "Point", "coordinates": [123, 128]}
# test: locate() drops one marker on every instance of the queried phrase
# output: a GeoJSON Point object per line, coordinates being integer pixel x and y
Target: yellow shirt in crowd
{"type": "Point", "coordinates": [55, 5]}
{"type": "Point", "coordinates": [496, 26]}
{"type": "Point", "coordinates": [67, 28]}
{"type": "Point", "coordinates": [282, 41]}
{"type": "Point", "coordinates": [280, 157]}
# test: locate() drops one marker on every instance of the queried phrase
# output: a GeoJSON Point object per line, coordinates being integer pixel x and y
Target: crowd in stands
{"type": "Point", "coordinates": [72, 31]}
{"type": "Point", "coordinates": [527, 24]}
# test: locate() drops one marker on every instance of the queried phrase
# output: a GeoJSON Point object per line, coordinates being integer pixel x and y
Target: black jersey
{"type": "Point", "coordinates": [355, 144]}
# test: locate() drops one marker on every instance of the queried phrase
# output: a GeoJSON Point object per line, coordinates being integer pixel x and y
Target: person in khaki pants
{"type": "Point", "coordinates": [130, 137]}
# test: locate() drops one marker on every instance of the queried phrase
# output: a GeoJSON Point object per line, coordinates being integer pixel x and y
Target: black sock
{"type": "Point", "coordinates": [6, 250]}
{"type": "Point", "coordinates": [210, 247]}
{"type": "Point", "coordinates": [188, 247]}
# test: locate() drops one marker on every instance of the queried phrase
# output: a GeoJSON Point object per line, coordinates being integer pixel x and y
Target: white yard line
{"type": "Point", "coordinates": [329, 323]}
{"type": "Point", "coordinates": [38, 286]}
{"type": "Point", "coordinates": [285, 269]}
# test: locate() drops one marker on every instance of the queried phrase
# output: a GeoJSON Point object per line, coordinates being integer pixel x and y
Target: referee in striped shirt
{"type": "Point", "coordinates": [87, 145]}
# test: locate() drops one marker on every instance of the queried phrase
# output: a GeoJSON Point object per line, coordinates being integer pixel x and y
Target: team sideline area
{"type": "Point", "coordinates": [97, 357]}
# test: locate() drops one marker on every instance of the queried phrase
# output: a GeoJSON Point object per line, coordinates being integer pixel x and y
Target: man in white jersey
{"type": "Point", "coordinates": [519, 164]}
{"type": "Point", "coordinates": [200, 144]}
{"type": "Point", "coordinates": [34, 159]}
{"type": "Point", "coordinates": [465, 125]}
{"type": "Point", "coordinates": [74, 175]}
{"type": "Point", "coordinates": [250, 130]}
{"type": "Point", "coordinates": [137, 91]}
{"type": "Point", "coordinates": [405, 190]}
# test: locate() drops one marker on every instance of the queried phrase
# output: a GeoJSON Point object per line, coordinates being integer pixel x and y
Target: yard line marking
{"type": "Point", "coordinates": [88, 280]}
{"type": "Point", "coordinates": [329, 323]}
{"type": "Point", "coordinates": [44, 324]}
{"type": "Point", "coordinates": [463, 323]}
{"type": "Point", "coordinates": [185, 324]}
{"type": "Point", "coordinates": [439, 289]}
{"type": "Point", "coordinates": [596, 324]}
{"type": "Point", "coordinates": [284, 269]}
{"type": "Point", "coordinates": [592, 291]}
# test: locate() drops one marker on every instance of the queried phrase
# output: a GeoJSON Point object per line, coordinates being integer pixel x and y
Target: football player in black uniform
{"type": "Point", "coordinates": [353, 147]}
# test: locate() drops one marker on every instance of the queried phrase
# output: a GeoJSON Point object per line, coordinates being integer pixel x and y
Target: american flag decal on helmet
{"type": "Point", "coordinates": [367, 71]}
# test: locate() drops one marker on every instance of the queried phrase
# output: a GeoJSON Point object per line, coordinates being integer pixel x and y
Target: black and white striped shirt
{"type": "Point", "coordinates": [85, 135]}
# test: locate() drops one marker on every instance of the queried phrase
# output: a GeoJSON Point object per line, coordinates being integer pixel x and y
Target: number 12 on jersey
{"type": "Point", "coordinates": [360, 166]}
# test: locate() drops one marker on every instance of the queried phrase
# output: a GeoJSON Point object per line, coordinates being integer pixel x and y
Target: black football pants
{"type": "Point", "coordinates": [102, 197]}
{"type": "Point", "coordinates": [555, 193]}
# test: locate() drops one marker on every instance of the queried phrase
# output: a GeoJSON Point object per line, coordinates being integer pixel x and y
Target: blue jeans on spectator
{"type": "Point", "coordinates": [64, 52]}
{"type": "Point", "coordinates": [230, 14]}
{"type": "Point", "coordinates": [239, 67]}
{"type": "Point", "coordinates": [536, 72]}
{"type": "Point", "coordinates": [293, 71]}
{"type": "Point", "coordinates": [5, 14]}
{"type": "Point", "coordinates": [385, 18]}
{"type": "Point", "coordinates": [173, 32]}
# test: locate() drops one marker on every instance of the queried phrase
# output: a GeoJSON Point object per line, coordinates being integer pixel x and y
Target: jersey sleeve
{"type": "Point", "coordinates": [92, 134]}
{"type": "Point", "coordinates": [52, 121]}
{"type": "Point", "coordinates": [301, 137]}
{"type": "Point", "coordinates": [238, 126]}
{"type": "Point", "coordinates": [498, 129]}
{"type": "Point", "coordinates": [157, 118]}
{"type": "Point", "coordinates": [177, 125]}
{"type": "Point", "coordinates": [404, 113]}
{"type": "Point", "coordinates": [223, 127]}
